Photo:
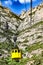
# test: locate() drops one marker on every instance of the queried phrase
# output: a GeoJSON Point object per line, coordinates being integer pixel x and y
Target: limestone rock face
{"type": "Point", "coordinates": [31, 30]}
{"type": "Point", "coordinates": [13, 22]}
{"type": "Point", "coordinates": [28, 32]}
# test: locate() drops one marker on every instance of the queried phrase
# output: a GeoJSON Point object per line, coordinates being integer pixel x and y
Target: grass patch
{"type": "Point", "coordinates": [7, 46]}
{"type": "Point", "coordinates": [34, 47]}
{"type": "Point", "coordinates": [9, 61]}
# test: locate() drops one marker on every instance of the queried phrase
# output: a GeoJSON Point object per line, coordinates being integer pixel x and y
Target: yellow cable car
{"type": "Point", "coordinates": [16, 54]}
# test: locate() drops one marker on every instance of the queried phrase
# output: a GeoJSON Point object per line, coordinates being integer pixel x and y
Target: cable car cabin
{"type": "Point", "coordinates": [16, 54]}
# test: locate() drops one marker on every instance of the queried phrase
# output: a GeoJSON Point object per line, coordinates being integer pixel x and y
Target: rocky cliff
{"type": "Point", "coordinates": [13, 20]}
{"type": "Point", "coordinates": [29, 33]}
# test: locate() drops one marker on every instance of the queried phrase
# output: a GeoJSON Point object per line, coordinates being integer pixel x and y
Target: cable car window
{"type": "Point", "coordinates": [12, 50]}
{"type": "Point", "coordinates": [15, 50]}
{"type": "Point", "coordinates": [18, 50]}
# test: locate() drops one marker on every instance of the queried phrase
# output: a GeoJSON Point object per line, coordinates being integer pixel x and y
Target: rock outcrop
{"type": "Point", "coordinates": [28, 32]}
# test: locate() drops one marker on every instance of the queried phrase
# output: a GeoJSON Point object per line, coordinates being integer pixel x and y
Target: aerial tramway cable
{"type": "Point", "coordinates": [30, 13]}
